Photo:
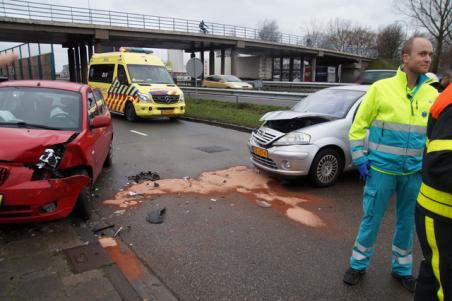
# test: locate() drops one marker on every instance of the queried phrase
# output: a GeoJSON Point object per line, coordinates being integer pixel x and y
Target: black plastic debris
{"type": "Point", "coordinates": [156, 216]}
{"type": "Point", "coordinates": [103, 228]}
{"type": "Point", "coordinates": [144, 176]}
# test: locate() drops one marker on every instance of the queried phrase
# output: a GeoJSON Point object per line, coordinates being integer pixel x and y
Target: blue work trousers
{"type": "Point", "coordinates": [378, 191]}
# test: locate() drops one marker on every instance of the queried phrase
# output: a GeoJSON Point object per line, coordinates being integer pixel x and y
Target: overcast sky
{"type": "Point", "coordinates": [291, 16]}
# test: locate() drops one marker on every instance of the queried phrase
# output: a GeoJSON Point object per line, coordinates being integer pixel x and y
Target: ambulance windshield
{"type": "Point", "coordinates": [149, 74]}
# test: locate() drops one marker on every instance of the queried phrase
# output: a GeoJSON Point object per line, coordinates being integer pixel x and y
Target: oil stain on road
{"type": "Point", "coordinates": [216, 184]}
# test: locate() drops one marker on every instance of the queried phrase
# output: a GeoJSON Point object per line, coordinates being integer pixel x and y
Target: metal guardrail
{"type": "Point", "coordinates": [245, 96]}
{"type": "Point", "coordinates": [305, 87]}
{"type": "Point", "coordinates": [60, 13]}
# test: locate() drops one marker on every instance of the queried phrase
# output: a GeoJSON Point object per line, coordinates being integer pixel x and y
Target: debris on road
{"type": "Point", "coordinates": [103, 228]}
{"type": "Point", "coordinates": [213, 200]}
{"type": "Point", "coordinates": [117, 231]}
{"type": "Point", "coordinates": [156, 216]}
{"type": "Point", "coordinates": [132, 193]}
{"type": "Point", "coordinates": [263, 204]}
{"type": "Point", "coordinates": [145, 176]}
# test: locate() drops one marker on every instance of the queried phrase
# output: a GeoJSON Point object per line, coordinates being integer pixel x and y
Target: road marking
{"type": "Point", "coordinates": [139, 133]}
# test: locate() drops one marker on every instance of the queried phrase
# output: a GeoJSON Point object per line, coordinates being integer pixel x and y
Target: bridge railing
{"type": "Point", "coordinates": [60, 13]}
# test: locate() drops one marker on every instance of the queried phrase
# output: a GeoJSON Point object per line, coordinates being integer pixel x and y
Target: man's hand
{"type": "Point", "coordinates": [364, 170]}
{"type": "Point", "coordinates": [6, 59]}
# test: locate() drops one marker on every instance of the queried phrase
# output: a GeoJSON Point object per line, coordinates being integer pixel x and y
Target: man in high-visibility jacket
{"type": "Point", "coordinates": [434, 205]}
{"type": "Point", "coordinates": [395, 112]}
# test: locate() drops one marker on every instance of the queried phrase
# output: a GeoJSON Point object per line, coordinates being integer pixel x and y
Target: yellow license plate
{"type": "Point", "coordinates": [260, 151]}
{"type": "Point", "coordinates": [167, 112]}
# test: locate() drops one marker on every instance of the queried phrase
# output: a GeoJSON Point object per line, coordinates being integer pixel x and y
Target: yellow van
{"type": "Point", "coordinates": [136, 83]}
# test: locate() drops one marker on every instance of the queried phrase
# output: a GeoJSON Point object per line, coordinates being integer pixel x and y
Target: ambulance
{"type": "Point", "coordinates": [134, 82]}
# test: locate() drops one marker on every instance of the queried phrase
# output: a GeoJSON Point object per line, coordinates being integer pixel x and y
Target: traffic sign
{"type": "Point", "coordinates": [194, 67]}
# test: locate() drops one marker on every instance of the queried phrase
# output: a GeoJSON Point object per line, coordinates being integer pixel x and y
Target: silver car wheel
{"type": "Point", "coordinates": [327, 169]}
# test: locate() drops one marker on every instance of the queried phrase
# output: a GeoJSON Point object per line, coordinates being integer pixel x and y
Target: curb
{"type": "Point", "coordinates": [219, 124]}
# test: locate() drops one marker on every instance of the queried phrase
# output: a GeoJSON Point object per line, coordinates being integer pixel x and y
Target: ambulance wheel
{"type": "Point", "coordinates": [130, 112]}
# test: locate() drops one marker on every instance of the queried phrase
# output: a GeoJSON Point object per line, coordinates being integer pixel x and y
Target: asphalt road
{"type": "Point", "coordinates": [216, 243]}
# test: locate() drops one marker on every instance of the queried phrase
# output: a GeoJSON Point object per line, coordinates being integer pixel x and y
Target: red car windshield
{"type": "Point", "coordinates": [40, 108]}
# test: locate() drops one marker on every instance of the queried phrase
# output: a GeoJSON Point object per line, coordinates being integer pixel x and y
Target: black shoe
{"type": "Point", "coordinates": [408, 282]}
{"type": "Point", "coordinates": [353, 277]}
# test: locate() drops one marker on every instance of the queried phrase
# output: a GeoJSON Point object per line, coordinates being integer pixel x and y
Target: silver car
{"type": "Point", "coordinates": [311, 138]}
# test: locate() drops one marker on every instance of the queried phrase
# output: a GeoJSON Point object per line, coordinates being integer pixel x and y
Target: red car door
{"type": "Point", "coordinates": [98, 144]}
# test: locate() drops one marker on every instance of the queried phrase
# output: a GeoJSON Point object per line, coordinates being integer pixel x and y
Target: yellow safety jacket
{"type": "Point", "coordinates": [396, 118]}
{"type": "Point", "coordinates": [436, 189]}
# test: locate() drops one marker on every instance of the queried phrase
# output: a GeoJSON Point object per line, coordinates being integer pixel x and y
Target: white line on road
{"type": "Point", "coordinates": [139, 133]}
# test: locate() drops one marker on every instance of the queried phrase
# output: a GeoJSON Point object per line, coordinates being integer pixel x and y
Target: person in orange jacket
{"type": "Point", "coordinates": [434, 205]}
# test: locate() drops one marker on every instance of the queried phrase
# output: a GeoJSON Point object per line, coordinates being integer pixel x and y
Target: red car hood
{"type": "Point", "coordinates": [26, 145]}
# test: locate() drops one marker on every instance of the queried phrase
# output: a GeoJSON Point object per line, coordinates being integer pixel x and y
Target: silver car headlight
{"type": "Point", "coordinates": [294, 138]}
{"type": "Point", "coordinates": [182, 97]}
{"type": "Point", "coordinates": [143, 97]}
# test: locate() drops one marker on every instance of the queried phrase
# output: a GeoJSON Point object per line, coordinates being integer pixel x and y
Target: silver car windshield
{"type": "Point", "coordinates": [40, 108]}
{"type": "Point", "coordinates": [334, 102]}
{"type": "Point", "coordinates": [149, 74]}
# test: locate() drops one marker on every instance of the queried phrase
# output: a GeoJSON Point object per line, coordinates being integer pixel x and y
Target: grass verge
{"type": "Point", "coordinates": [243, 114]}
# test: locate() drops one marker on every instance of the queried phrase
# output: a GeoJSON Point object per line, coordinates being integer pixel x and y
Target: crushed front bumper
{"type": "Point", "coordinates": [291, 160]}
{"type": "Point", "coordinates": [22, 200]}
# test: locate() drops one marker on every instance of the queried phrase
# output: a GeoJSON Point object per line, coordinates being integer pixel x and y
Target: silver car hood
{"type": "Point", "coordinates": [282, 115]}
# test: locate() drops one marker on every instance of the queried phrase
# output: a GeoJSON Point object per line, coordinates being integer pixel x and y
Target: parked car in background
{"type": "Point", "coordinates": [55, 139]}
{"type": "Point", "coordinates": [225, 81]}
{"type": "Point", "coordinates": [368, 77]}
{"type": "Point", "coordinates": [311, 138]}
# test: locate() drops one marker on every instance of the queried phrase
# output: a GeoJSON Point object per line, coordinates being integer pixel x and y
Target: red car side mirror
{"type": "Point", "coordinates": [100, 121]}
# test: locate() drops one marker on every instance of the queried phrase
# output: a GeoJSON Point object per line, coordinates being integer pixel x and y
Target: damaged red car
{"type": "Point", "coordinates": [55, 138]}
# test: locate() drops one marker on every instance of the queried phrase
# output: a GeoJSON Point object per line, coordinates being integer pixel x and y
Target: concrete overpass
{"type": "Point", "coordinates": [84, 31]}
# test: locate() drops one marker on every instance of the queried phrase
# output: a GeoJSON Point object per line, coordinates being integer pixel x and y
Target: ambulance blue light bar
{"type": "Point", "coordinates": [135, 49]}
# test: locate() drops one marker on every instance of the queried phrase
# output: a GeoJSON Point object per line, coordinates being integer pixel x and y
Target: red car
{"type": "Point", "coordinates": [55, 137]}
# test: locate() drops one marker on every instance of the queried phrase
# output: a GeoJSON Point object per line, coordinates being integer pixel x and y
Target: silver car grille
{"type": "Point", "coordinates": [265, 136]}
{"type": "Point", "coordinates": [264, 161]}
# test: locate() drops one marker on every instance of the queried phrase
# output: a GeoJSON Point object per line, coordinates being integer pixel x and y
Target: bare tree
{"type": "Point", "coordinates": [339, 33]}
{"type": "Point", "coordinates": [314, 34]}
{"type": "Point", "coordinates": [362, 41]}
{"type": "Point", "coordinates": [435, 16]}
{"type": "Point", "coordinates": [269, 31]}
{"type": "Point", "coordinates": [389, 39]}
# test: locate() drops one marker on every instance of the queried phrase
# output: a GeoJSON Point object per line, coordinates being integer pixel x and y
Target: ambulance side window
{"type": "Point", "coordinates": [122, 76]}
{"type": "Point", "coordinates": [101, 73]}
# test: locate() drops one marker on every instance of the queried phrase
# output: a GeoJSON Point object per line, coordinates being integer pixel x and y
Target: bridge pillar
{"type": "Point", "coordinates": [234, 55]}
{"type": "Point", "coordinates": [302, 69]}
{"type": "Point", "coordinates": [273, 67]}
{"type": "Point", "coordinates": [90, 51]}
{"type": "Point", "coordinates": [281, 66]}
{"type": "Point", "coordinates": [211, 62]}
{"type": "Point", "coordinates": [83, 63]}
{"type": "Point", "coordinates": [202, 60]}
{"type": "Point", "coordinates": [291, 68]}
{"type": "Point", "coordinates": [77, 64]}
{"type": "Point", "coordinates": [71, 63]}
{"type": "Point", "coordinates": [223, 55]}
{"type": "Point", "coordinates": [313, 68]}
